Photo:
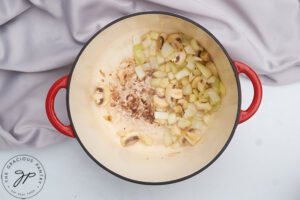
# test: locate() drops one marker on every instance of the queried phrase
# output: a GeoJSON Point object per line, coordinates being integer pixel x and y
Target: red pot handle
{"type": "Point", "coordinates": [243, 68]}
{"type": "Point", "coordinates": [60, 83]}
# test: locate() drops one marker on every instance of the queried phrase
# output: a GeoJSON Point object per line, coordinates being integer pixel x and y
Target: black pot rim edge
{"type": "Point", "coordinates": [233, 68]}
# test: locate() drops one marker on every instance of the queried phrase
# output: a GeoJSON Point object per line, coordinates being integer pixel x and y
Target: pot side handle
{"type": "Point", "coordinates": [250, 73]}
{"type": "Point", "coordinates": [59, 84]}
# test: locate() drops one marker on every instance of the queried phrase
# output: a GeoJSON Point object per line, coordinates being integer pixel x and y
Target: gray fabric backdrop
{"type": "Point", "coordinates": [39, 40]}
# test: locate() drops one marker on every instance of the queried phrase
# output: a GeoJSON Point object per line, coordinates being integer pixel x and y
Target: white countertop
{"type": "Point", "coordinates": [261, 162]}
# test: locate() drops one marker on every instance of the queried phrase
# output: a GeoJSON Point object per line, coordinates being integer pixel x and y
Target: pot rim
{"type": "Point", "coordinates": [237, 82]}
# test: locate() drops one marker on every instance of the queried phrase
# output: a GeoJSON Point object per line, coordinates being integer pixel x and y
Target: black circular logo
{"type": "Point", "coordinates": [23, 176]}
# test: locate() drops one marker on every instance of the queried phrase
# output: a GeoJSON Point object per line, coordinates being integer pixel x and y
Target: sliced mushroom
{"type": "Point", "coordinates": [177, 45]}
{"type": "Point", "coordinates": [130, 139]}
{"type": "Point", "coordinates": [176, 93]}
{"type": "Point", "coordinates": [159, 102]}
{"type": "Point", "coordinates": [178, 57]}
{"type": "Point", "coordinates": [182, 140]}
{"type": "Point", "coordinates": [204, 56]}
{"type": "Point", "coordinates": [176, 41]}
{"type": "Point", "coordinates": [161, 40]}
{"type": "Point", "coordinates": [195, 45]}
{"type": "Point", "coordinates": [174, 36]}
{"type": "Point", "coordinates": [102, 95]}
{"type": "Point", "coordinates": [172, 94]}
{"type": "Point", "coordinates": [169, 98]}
{"type": "Point", "coordinates": [164, 36]}
{"type": "Point", "coordinates": [178, 109]}
{"type": "Point", "coordinates": [183, 103]}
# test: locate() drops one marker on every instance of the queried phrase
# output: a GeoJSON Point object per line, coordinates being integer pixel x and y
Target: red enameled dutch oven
{"type": "Point", "coordinates": [148, 165]}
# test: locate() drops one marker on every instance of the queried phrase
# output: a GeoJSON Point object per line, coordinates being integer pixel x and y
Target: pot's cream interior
{"type": "Point", "coordinates": [139, 162]}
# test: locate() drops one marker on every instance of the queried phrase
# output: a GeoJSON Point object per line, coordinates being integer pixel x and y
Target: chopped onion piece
{"type": "Point", "coordinates": [139, 54]}
{"type": "Point", "coordinates": [190, 111]}
{"type": "Point", "coordinates": [211, 66]}
{"type": "Point", "coordinates": [203, 106]}
{"type": "Point", "coordinates": [193, 138]}
{"type": "Point", "coordinates": [183, 73]}
{"type": "Point", "coordinates": [189, 50]}
{"type": "Point", "coordinates": [161, 115]}
{"type": "Point", "coordinates": [222, 89]}
{"type": "Point", "coordinates": [160, 82]}
{"type": "Point", "coordinates": [212, 79]}
{"type": "Point", "coordinates": [175, 130]}
{"type": "Point", "coordinates": [171, 75]}
{"type": "Point", "coordinates": [184, 123]}
{"type": "Point", "coordinates": [159, 74]}
{"type": "Point", "coordinates": [216, 85]}
{"type": "Point", "coordinates": [140, 72]}
{"type": "Point", "coordinates": [153, 62]}
{"type": "Point", "coordinates": [193, 59]}
{"type": "Point", "coordinates": [146, 66]}
{"type": "Point", "coordinates": [146, 53]}
{"type": "Point", "coordinates": [194, 45]}
{"type": "Point", "coordinates": [213, 96]}
{"type": "Point", "coordinates": [146, 139]}
{"type": "Point", "coordinates": [200, 87]}
{"type": "Point", "coordinates": [187, 90]}
{"type": "Point", "coordinates": [166, 50]}
{"type": "Point", "coordinates": [191, 77]}
{"type": "Point", "coordinates": [153, 48]}
{"type": "Point", "coordinates": [195, 82]}
{"type": "Point", "coordinates": [192, 98]}
{"type": "Point", "coordinates": [168, 139]}
{"type": "Point", "coordinates": [172, 119]}
{"type": "Point", "coordinates": [196, 72]}
{"type": "Point", "coordinates": [197, 124]}
{"type": "Point", "coordinates": [146, 43]}
{"type": "Point", "coordinates": [190, 65]}
{"type": "Point", "coordinates": [160, 59]}
{"type": "Point", "coordinates": [136, 39]}
{"type": "Point", "coordinates": [204, 70]}
{"type": "Point", "coordinates": [172, 67]}
{"type": "Point", "coordinates": [206, 119]}
{"type": "Point", "coordinates": [154, 35]}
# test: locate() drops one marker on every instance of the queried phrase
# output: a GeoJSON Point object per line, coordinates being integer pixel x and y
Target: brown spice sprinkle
{"type": "Point", "coordinates": [108, 118]}
{"type": "Point", "coordinates": [131, 95]}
